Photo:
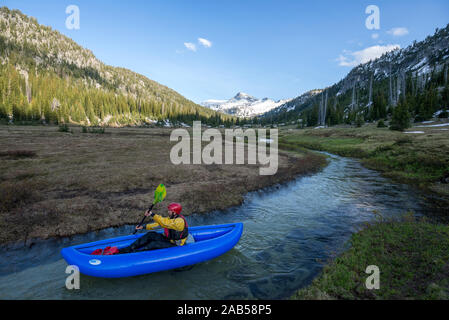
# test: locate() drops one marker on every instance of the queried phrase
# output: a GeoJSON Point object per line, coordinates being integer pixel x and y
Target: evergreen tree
{"type": "Point", "coordinates": [401, 118]}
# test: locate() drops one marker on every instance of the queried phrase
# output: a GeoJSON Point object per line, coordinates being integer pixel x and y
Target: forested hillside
{"type": "Point", "coordinates": [46, 77]}
{"type": "Point", "coordinates": [413, 81]}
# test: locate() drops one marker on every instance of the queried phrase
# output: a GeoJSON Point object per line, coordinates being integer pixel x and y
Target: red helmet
{"type": "Point", "coordinates": [175, 207]}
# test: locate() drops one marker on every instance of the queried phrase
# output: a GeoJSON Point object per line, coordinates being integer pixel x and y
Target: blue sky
{"type": "Point", "coordinates": [277, 49]}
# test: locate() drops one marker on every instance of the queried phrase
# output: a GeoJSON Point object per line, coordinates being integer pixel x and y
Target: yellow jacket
{"type": "Point", "coordinates": [175, 224]}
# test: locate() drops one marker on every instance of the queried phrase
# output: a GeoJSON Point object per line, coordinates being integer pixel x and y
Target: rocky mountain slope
{"type": "Point", "coordinates": [406, 74]}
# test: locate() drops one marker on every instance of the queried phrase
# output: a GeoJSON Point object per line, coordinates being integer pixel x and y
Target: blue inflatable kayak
{"type": "Point", "coordinates": [210, 242]}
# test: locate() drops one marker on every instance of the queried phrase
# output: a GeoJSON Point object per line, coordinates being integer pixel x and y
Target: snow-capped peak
{"type": "Point", "coordinates": [243, 105]}
{"type": "Point", "coordinates": [243, 96]}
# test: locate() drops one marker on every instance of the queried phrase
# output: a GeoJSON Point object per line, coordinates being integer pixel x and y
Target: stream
{"type": "Point", "coordinates": [290, 231]}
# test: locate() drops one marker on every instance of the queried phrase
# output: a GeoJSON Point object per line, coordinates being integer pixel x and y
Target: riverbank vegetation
{"type": "Point", "coordinates": [420, 158]}
{"type": "Point", "coordinates": [411, 255]}
{"type": "Point", "coordinates": [61, 183]}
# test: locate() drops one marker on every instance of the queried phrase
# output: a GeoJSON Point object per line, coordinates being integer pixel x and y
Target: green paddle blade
{"type": "Point", "coordinates": [159, 194]}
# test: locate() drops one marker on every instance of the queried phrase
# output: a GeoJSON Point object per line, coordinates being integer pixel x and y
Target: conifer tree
{"type": "Point", "coordinates": [401, 117]}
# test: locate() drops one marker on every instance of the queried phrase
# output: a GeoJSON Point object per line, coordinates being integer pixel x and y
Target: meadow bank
{"type": "Point", "coordinates": [419, 158]}
{"type": "Point", "coordinates": [411, 253]}
{"type": "Point", "coordinates": [412, 257]}
{"type": "Point", "coordinates": [55, 183]}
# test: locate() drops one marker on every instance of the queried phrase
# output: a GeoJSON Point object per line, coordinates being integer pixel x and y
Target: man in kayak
{"type": "Point", "coordinates": [175, 231]}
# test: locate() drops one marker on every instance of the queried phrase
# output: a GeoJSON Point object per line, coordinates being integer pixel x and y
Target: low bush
{"type": "Point", "coordinates": [381, 124]}
{"type": "Point", "coordinates": [63, 128]}
{"type": "Point", "coordinates": [444, 114]}
{"type": "Point", "coordinates": [401, 118]}
{"type": "Point", "coordinates": [16, 154]}
{"type": "Point", "coordinates": [97, 130]}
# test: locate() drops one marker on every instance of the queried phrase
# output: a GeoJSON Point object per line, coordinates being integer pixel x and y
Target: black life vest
{"type": "Point", "coordinates": [177, 235]}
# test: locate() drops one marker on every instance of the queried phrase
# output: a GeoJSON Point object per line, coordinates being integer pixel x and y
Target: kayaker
{"type": "Point", "coordinates": [175, 231]}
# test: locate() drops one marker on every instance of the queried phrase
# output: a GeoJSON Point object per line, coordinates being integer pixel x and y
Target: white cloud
{"type": "Point", "coordinates": [398, 32]}
{"type": "Point", "coordinates": [206, 43]}
{"type": "Point", "coordinates": [352, 59]}
{"type": "Point", "coordinates": [375, 35]}
{"type": "Point", "coordinates": [190, 46]}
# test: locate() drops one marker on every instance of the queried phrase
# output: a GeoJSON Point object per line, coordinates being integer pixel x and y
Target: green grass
{"type": "Point", "coordinates": [342, 146]}
{"type": "Point", "coordinates": [420, 159]}
{"type": "Point", "coordinates": [412, 256]}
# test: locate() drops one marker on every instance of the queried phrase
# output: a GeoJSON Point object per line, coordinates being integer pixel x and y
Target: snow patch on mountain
{"type": "Point", "coordinates": [243, 105]}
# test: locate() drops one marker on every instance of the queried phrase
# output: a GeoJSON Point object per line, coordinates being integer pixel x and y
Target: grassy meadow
{"type": "Point", "coordinates": [57, 181]}
{"type": "Point", "coordinates": [421, 159]}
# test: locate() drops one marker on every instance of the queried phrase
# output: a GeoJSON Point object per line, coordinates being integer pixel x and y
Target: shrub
{"type": "Point", "coordinates": [401, 118]}
{"type": "Point", "coordinates": [403, 140]}
{"type": "Point", "coordinates": [98, 130]}
{"type": "Point", "coordinates": [444, 114]}
{"type": "Point", "coordinates": [63, 128]}
{"type": "Point", "coordinates": [16, 154]}
{"type": "Point", "coordinates": [381, 124]}
{"type": "Point", "coordinates": [359, 121]}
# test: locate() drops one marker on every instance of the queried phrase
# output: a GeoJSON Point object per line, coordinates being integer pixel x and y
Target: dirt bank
{"type": "Point", "coordinates": [59, 184]}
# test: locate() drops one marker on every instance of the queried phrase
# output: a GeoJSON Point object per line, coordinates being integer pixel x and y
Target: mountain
{"type": "Point", "coordinates": [298, 101]}
{"type": "Point", "coordinates": [416, 76]}
{"type": "Point", "coordinates": [46, 76]}
{"type": "Point", "coordinates": [243, 105]}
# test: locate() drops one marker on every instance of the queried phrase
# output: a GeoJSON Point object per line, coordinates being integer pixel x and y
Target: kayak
{"type": "Point", "coordinates": [209, 242]}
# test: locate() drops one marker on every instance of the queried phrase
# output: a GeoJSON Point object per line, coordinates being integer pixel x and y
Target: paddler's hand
{"type": "Point", "coordinates": [149, 213]}
{"type": "Point", "coordinates": [139, 227]}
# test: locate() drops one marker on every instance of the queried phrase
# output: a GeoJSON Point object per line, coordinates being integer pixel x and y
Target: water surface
{"type": "Point", "coordinates": [290, 231]}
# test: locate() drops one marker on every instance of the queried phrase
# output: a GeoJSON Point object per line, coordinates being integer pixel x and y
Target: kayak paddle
{"type": "Point", "coordinates": [159, 195]}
